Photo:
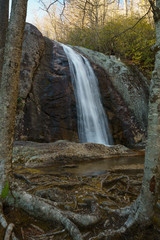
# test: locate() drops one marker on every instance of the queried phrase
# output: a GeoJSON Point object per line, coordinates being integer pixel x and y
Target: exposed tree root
{"type": "Point", "coordinates": [3, 221]}
{"type": "Point", "coordinates": [45, 210]}
{"type": "Point", "coordinates": [9, 228]}
{"type": "Point", "coordinates": [82, 207]}
{"type": "Point", "coordinates": [122, 212]}
{"type": "Point", "coordinates": [136, 215]}
{"type": "Point", "coordinates": [107, 183]}
{"type": "Point", "coordinates": [35, 206]}
{"type": "Point", "coordinates": [112, 234]}
{"type": "Point", "coordinates": [84, 220]}
{"type": "Point", "coordinates": [20, 176]}
{"type": "Point", "coordinates": [14, 237]}
{"type": "Point", "coordinates": [49, 234]}
{"type": "Point", "coordinates": [9, 231]}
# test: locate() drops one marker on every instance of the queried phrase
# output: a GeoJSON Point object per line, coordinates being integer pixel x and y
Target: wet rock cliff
{"type": "Point", "coordinates": [46, 109]}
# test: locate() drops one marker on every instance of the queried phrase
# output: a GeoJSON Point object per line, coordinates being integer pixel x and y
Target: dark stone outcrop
{"type": "Point", "coordinates": [50, 112]}
{"type": "Point", "coordinates": [46, 105]}
{"type": "Point", "coordinates": [32, 50]}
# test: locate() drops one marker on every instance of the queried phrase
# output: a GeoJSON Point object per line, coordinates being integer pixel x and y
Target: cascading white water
{"type": "Point", "coordinates": [92, 120]}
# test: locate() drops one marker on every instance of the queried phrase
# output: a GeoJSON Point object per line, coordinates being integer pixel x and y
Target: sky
{"type": "Point", "coordinates": [33, 10]}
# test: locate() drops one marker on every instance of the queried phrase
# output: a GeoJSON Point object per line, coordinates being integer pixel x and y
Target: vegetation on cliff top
{"type": "Point", "coordinates": [111, 28]}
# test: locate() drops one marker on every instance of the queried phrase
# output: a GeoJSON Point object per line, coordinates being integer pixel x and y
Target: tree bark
{"type": "Point", "coordinates": [9, 86]}
{"type": "Point", "coordinates": [143, 209]}
{"type": "Point", "coordinates": [4, 10]}
{"type": "Point", "coordinates": [150, 186]}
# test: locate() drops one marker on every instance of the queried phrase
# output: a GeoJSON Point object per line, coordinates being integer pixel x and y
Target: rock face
{"type": "Point", "coordinates": [125, 96]}
{"type": "Point", "coordinates": [46, 105]}
{"type": "Point", "coordinates": [49, 114]}
{"type": "Point", "coordinates": [47, 99]}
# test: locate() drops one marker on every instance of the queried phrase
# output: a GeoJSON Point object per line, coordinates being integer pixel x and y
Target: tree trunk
{"type": "Point", "coordinates": [126, 7]}
{"type": "Point", "coordinates": [4, 9]}
{"type": "Point", "coordinates": [9, 86]}
{"type": "Point", "coordinates": [143, 209]}
{"type": "Point", "coordinates": [146, 203]}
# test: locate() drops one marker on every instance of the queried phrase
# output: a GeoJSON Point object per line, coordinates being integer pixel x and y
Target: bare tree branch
{"type": "Point", "coordinates": [64, 5]}
{"type": "Point", "coordinates": [51, 4]}
{"type": "Point", "coordinates": [84, 13]}
{"type": "Point", "coordinates": [47, 8]}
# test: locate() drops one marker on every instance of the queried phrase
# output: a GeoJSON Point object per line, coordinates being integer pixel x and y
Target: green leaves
{"type": "Point", "coordinates": [119, 37]}
{"type": "Point", "coordinates": [5, 191]}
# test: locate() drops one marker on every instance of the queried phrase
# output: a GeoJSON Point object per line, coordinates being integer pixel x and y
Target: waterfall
{"type": "Point", "coordinates": [92, 120]}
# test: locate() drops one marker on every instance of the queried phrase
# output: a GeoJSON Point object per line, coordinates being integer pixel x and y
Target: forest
{"type": "Point", "coordinates": [121, 28]}
{"type": "Point", "coordinates": [51, 183]}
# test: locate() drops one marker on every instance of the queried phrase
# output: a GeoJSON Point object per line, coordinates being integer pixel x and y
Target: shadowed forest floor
{"type": "Point", "coordinates": [79, 194]}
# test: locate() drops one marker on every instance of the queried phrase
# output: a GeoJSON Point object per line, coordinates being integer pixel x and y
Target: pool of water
{"type": "Point", "coordinates": [94, 168]}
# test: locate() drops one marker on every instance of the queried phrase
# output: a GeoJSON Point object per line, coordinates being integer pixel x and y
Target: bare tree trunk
{"type": "Point", "coordinates": [145, 205]}
{"type": "Point", "coordinates": [150, 186]}
{"type": "Point", "coordinates": [131, 7]}
{"type": "Point", "coordinates": [9, 86]}
{"type": "Point", "coordinates": [142, 211]}
{"type": "Point", "coordinates": [4, 9]}
{"type": "Point", "coordinates": [104, 12]}
{"type": "Point", "coordinates": [126, 7]}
